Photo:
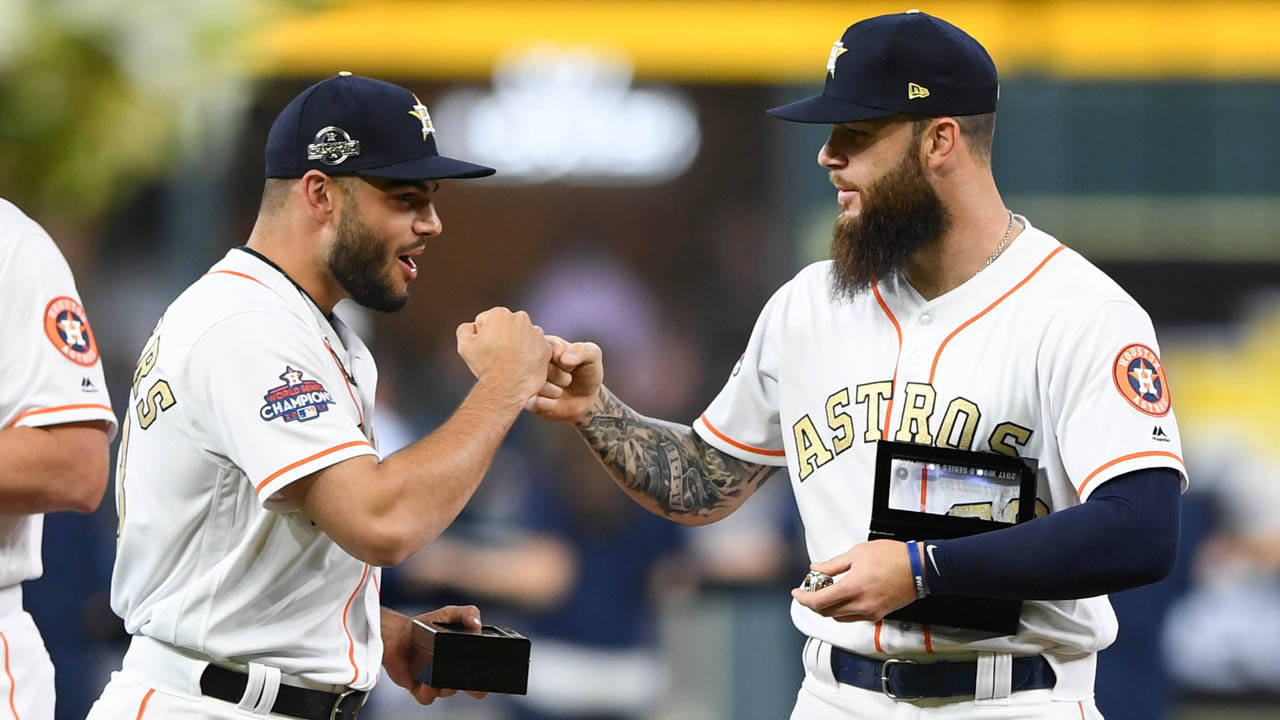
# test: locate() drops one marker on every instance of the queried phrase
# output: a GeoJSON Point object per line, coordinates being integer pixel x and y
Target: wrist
{"type": "Point", "coordinates": [915, 559]}
{"type": "Point", "coordinates": [598, 406]}
{"type": "Point", "coordinates": [495, 388]}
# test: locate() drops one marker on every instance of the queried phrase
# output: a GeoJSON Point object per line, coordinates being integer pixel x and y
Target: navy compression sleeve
{"type": "Point", "coordinates": [1124, 536]}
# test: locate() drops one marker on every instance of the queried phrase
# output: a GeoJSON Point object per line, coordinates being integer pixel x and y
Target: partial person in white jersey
{"type": "Point", "coordinates": [55, 424]}
{"type": "Point", "coordinates": [255, 516]}
{"type": "Point", "coordinates": [942, 319]}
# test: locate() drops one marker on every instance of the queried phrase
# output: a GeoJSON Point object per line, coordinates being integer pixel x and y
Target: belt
{"type": "Point", "coordinates": [223, 684]}
{"type": "Point", "coordinates": [910, 680]}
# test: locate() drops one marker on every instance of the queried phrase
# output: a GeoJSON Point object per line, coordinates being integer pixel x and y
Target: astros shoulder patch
{"type": "Point", "coordinates": [67, 327]}
{"type": "Point", "coordinates": [297, 400]}
{"type": "Point", "coordinates": [1140, 378]}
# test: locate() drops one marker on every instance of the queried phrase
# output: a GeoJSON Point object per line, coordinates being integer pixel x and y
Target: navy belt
{"type": "Point", "coordinates": [910, 680]}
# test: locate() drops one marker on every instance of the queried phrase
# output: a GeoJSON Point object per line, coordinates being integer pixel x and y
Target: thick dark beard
{"type": "Point", "coordinates": [358, 261]}
{"type": "Point", "coordinates": [901, 214]}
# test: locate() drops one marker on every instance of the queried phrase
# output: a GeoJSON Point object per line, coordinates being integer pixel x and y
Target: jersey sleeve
{"type": "Point", "coordinates": [50, 370]}
{"type": "Point", "coordinates": [266, 395]}
{"type": "Point", "coordinates": [742, 421]}
{"type": "Point", "coordinates": [1110, 399]}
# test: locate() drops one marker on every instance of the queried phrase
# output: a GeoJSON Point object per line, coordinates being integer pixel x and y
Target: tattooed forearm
{"type": "Point", "coordinates": [667, 464]}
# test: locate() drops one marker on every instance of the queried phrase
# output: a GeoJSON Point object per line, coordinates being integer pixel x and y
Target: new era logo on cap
{"type": "Point", "coordinates": [909, 62]}
{"type": "Point", "coordinates": [353, 125]}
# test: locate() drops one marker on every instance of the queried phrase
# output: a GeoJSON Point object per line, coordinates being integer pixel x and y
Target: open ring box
{"type": "Point", "coordinates": [929, 493]}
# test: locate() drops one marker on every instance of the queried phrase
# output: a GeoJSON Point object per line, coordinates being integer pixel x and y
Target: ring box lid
{"type": "Point", "coordinates": [456, 640]}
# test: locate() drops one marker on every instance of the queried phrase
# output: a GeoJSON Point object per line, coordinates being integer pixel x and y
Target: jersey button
{"type": "Point", "coordinates": [926, 318]}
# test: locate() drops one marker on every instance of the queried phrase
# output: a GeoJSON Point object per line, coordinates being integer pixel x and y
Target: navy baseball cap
{"type": "Point", "coordinates": [352, 125]}
{"type": "Point", "coordinates": [909, 62]}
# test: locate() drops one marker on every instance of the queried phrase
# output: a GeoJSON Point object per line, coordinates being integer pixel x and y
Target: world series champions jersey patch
{"type": "Point", "coordinates": [67, 327]}
{"type": "Point", "coordinates": [1140, 378]}
{"type": "Point", "coordinates": [297, 400]}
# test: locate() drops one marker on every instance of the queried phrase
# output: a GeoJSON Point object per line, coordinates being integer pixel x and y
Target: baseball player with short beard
{"type": "Point", "coordinates": [55, 423]}
{"type": "Point", "coordinates": [255, 516]}
{"type": "Point", "coordinates": [943, 319]}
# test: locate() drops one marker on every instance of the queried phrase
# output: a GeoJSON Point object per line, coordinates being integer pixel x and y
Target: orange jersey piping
{"type": "Point", "coordinates": [83, 406]}
{"type": "Point", "coordinates": [142, 707]}
{"type": "Point", "coordinates": [13, 686]}
{"type": "Point", "coordinates": [342, 369]}
{"type": "Point", "coordinates": [237, 274]}
{"type": "Point", "coordinates": [1104, 466]}
{"type": "Point", "coordinates": [306, 460]}
{"type": "Point", "coordinates": [351, 643]}
{"type": "Point", "coordinates": [937, 356]}
{"type": "Point", "coordinates": [735, 443]}
{"type": "Point", "coordinates": [893, 386]}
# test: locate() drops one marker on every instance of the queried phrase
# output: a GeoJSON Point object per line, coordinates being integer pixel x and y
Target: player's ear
{"type": "Point", "coordinates": [319, 195]}
{"type": "Point", "coordinates": [939, 140]}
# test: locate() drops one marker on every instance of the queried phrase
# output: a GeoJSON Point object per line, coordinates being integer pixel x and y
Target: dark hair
{"type": "Point", "coordinates": [276, 191]}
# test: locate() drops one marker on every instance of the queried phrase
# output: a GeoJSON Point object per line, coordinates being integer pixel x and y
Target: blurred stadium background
{"type": "Point", "coordinates": [644, 200]}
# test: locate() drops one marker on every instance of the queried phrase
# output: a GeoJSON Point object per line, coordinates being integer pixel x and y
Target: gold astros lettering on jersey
{"type": "Point", "coordinates": [158, 397]}
{"type": "Point", "coordinates": [958, 407]}
{"type": "Point", "coordinates": [840, 422]}
{"type": "Point", "coordinates": [874, 395]}
{"type": "Point", "coordinates": [812, 453]}
{"type": "Point", "coordinates": [914, 427]}
{"type": "Point", "coordinates": [1007, 435]}
{"type": "Point", "coordinates": [957, 430]}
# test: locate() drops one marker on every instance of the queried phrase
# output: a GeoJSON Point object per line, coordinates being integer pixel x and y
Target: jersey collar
{"type": "Point", "coordinates": [1026, 251]}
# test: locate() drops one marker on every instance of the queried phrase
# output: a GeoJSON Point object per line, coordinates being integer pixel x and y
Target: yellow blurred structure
{"type": "Point", "coordinates": [769, 42]}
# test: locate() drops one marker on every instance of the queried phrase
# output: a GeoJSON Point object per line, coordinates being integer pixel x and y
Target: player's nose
{"type": "Point", "coordinates": [829, 156]}
{"type": "Point", "coordinates": [428, 222]}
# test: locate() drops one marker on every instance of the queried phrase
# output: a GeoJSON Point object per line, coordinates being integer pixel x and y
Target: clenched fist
{"type": "Point", "coordinates": [572, 383]}
{"type": "Point", "coordinates": [505, 347]}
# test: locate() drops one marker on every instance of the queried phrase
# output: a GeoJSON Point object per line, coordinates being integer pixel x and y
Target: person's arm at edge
{"type": "Point", "coordinates": [664, 466]}
{"type": "Point", "coordinates": [1124, 536]}
{"type": "Point", "coordinates": [53, 467]}
{"type": "Point", "coordinates": [382, 512]}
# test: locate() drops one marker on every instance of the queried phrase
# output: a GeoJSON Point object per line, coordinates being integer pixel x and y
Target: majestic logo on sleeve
{"type": "Point", "coordinates": [67, 327]}
{"type": "Point", "coordinates": [297, 399]}
{"type": "Point", "coordinates": [1140, 379]}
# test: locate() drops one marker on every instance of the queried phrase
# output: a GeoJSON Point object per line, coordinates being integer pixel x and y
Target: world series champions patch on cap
{"type": "Point", "coordinates": [1140, 378]}
{"type": "Point", "coordinates": [352, 125]}
{"type": "Point", "coordinates": [67, 327]}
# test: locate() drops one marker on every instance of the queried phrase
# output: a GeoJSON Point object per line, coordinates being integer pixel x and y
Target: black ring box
{"type": "Point", "coordinates": [999, 616]}
{"type": "Point", "coordinates": [448, 655]}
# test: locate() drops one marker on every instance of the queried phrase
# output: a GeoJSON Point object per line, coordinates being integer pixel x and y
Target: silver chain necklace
{"type": "Point", "coordinates": [1008, 232]}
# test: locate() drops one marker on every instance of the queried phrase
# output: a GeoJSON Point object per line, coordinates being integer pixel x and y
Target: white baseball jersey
{"type": "Point", "coordinates": [244, 387]}
{"type": "Point", "coordinates": [50, 373]}
{"type": "Point", "coordinates": [1040, 355]}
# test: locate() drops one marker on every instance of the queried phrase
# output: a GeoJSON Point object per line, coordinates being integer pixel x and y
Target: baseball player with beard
{"type": "Point", "coordinates": [55, 423]}
{"type": "Point", "coordinates": [942, 319]}
{"type": "Point", "coordinates": [254, 514]}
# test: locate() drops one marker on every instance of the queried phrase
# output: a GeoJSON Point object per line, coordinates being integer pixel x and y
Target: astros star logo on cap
{"type": "Point", "coordinates": [420, 111]}
{"type": "Point", "coordinates": [836, 51]}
